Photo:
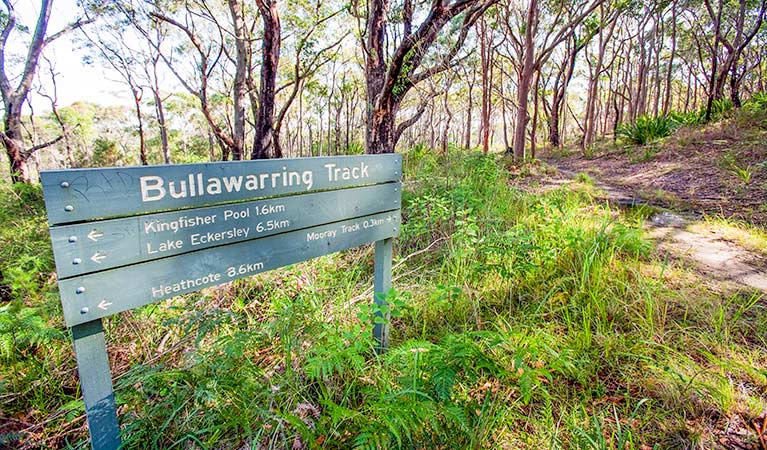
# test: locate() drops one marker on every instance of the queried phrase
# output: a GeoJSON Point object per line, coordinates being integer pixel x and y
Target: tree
{"type": "Point", "coordinates": [563, 75]}
{"type": "Point", "coordinates": [391, 75]}
{"type": "Point", "coordinates": [208, 53]}
{"type": "Point", "coordinates": [735, 44]}
{"type": "Point", "coordinates": [127, 62]}
{"type": "Point", "coordinates": [534, 36]}
{"type": "Point", "coordinates": [14, 97]}
{"type": "Point", "coordinates": [608, 19]}
{"type": "Point", "coordinates": [264, 145]}
{"type": "Point", "coordinates": [309, 55]}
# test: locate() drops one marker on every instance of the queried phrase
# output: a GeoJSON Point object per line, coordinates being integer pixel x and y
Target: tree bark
{"type": "Point", "coordinates": [242, 68]}
{"type": "Point", "coordinates": [390, 78]}
{"type": "Point", "coordinates": [486, 58]}
{"type": "Point", "coordinates": [13, 97]}
{"type": "Point", "coordinates": [524, 82]}
{"type": "Point", "coordinates": [264, 141]}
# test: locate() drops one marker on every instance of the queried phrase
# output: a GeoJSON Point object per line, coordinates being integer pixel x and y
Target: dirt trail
{"type": "Point", "coordinates": [718, 258]}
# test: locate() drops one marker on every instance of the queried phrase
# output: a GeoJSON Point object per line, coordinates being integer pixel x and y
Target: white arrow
{"type": "Point", "coordinates": [95, 235]}
{"type": "Point", "coordinates": [98, 257]}
{"type": "Point", "coordinates": [104, 305]}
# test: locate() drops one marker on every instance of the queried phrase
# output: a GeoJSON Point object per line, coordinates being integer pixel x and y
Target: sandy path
{"type": "Point", "coordinates": [720, 259]}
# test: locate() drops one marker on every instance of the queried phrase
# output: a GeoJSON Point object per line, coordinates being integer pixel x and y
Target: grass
{"type": "Point", "coordinates": [518, 321]}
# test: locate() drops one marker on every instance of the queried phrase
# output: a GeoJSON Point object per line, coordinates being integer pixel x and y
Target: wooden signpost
{"type": "Point", "coordinates": [128, 237]}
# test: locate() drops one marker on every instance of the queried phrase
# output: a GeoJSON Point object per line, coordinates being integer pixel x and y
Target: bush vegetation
{"type": "Point", "coordinates": [647, 129]}
{"type": "Point", "coordinates": [518, 321]}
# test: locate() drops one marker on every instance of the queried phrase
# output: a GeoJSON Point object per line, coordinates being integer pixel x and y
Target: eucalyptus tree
{"type": "Point", "coordinates": [562, 73]}
{"type": "Point", "coordinates": [113, 47]}
{"type": "Point", "coordinates": [734, 27]}
{"type": "Point", "coordinates": [264, 142]}
{"type": "Point", "coordinates": [405, 43]}
{"type": "Point", "coordinates": [313, 39]}
{"type": "Point", "coordinates": [12, 39]}
{"type": "Point", "coordinates": [535, 29]}
{"type": "Point", "coordinates": [604, 29]}
{"type": "Point", "coordinates": [196, 56]}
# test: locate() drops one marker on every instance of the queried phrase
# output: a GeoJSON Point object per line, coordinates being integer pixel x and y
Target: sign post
{"type": "Point", "coordinates": [127, 237]}
{"type": "Point", "coordinates": [381, 288]}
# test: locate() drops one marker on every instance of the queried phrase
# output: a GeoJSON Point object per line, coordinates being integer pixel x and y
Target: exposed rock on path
{"type": "Point", "coordinates": [718, 258]}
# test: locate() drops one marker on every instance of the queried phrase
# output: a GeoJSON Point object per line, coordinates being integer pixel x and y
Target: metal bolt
{"type": "Point", "coordinates": [77, 261]}
{"type": "Point", "coordinates": [73, 239]}
{"type": "Point", "coordinates": [84, 310]}
{"type": "Point", "coordinates": [69, 208]}
{"type": "Point", "coordinates": [80, 290]}
{"type": "Point", "coordinates": [65, 184]}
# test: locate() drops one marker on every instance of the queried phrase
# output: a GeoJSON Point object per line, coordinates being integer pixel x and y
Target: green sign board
{"type": "Point", "coordinates": [128, 237]}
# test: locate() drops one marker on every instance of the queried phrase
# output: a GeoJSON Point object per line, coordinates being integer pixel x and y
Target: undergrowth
{"type": "Point", "coordinates": [518, 321]}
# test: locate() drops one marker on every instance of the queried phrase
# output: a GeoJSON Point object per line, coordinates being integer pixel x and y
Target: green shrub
{"type": "Point", "coordinates": [757, 102]}
{"type": "Point", "coordinates": [647, 129]}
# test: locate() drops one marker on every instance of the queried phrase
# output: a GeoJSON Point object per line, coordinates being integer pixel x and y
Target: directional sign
{"type": "Point", "coordinates": [127, 237]}
{"type": "Point", "coordinates": [101, 294]}
{"type": "Point", "coordinates": [96, 246]}
{"type": "Point", "coordinates": [87, 194]}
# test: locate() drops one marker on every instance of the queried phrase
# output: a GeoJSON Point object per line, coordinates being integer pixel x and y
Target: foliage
{"type": "Point", "coordinates": [647, 129]}
{"type": "Point", "coordinates": [518, 321]}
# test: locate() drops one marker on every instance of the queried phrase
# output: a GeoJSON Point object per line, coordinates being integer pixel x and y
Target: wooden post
{"type": "Point", "coordinates": [96, 385]}
{"type": "Point", "coordinates": [381, 287]}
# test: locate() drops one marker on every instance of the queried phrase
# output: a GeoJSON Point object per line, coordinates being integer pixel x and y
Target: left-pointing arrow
{"type": "Point", "coordinates": [98, 257]}
{"type": "Point", "coordinates": [94, 235]}
{"type": "Point", "coordinates": [104, 305]}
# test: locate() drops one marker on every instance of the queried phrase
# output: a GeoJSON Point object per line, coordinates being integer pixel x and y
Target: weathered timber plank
{"type": "Point", "coordinates": [85, 194]}
{"type": "Point", "coordinates": [89, 297]}
{"type": "Point", "coordinates": [96, 246]}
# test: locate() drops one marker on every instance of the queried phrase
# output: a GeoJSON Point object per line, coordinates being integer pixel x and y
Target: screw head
{"type": "Point", "coordinates": [65, 184]}
{"type": "Point", "coordinates": [69, 208]}
{"type": "Point", "coordinates": [80, 290]}
{"type": "Point", "coordinates": [77, 261]}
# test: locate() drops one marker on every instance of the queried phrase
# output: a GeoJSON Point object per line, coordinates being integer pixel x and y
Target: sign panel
{"type": "Point", "coordinates": [179, 229]}
{"type": "Point", "coordinates": [88, 194]}
{"type": "Point", "coordinates": [89, 297]}
{"type": "Point", "coordinates": [92, 247]}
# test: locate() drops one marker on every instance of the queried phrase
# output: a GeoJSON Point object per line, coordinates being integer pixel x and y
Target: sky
{"type": "Point", "coordinates": [75, 80]}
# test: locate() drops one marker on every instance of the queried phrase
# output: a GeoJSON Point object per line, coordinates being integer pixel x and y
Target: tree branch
{"type": "Point", "coordinates": [5, 84]}
{"type": "Point", "coordinates": [27, 153]}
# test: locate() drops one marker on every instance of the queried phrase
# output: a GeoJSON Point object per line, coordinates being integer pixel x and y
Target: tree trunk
{"type": "Point", "coordinates": [534, 127]}
{"type": "Point", "coordinates": [265, 144]}
{"type": "Point", "coordinates": [13, 98]}
{"type": "Point", "coordinates": [560, 89]}
{"type": "Point", "coordinates": [486, 57]}
{"type": "Point", "coordinates": [14, 147]}
{"type": "Point", "coordinates": [141, 137]}
{"type": "Point", "coordinates": [467, 130]}
{"type": "Point", "coordinates": [670, 69]}
{"type": "Point", "coordinates": [525, 81]}
{"type": "Point", "coordinates": [240, 88]}
{"type": "Point", "coordinates": [390, 75]}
